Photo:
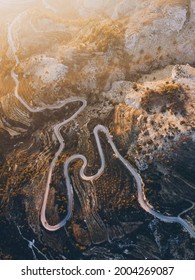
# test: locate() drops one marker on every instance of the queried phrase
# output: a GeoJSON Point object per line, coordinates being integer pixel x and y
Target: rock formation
{"type": "Point", "coordinates": [133, 63]}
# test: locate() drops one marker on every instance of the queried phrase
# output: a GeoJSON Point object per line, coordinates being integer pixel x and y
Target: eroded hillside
{"type": "Point", "coordinates": [127, 72]}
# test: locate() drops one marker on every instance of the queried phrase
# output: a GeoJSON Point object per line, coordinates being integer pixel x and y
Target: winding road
{"type": "Point", "coordinates": [99, 128]}
{"type": "Point", "coordinates": [48, 6]}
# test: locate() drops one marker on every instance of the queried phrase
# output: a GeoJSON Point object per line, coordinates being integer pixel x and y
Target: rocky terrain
{"type": "Point", "coordinates": [133, 62]}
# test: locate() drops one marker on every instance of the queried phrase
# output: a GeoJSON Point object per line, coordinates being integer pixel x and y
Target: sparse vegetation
{"type": "Point", "coordinates": [169, 96]}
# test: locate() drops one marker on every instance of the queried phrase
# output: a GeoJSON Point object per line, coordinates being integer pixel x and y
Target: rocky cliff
{"type": "Point", "coordinates": [132, 61]}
